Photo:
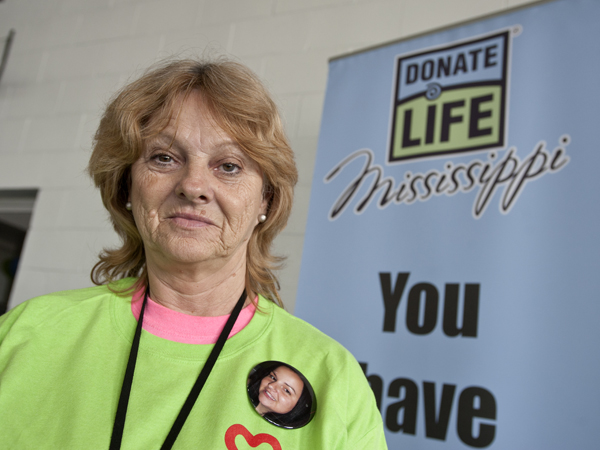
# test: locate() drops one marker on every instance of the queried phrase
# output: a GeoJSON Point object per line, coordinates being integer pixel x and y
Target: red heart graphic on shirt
{"type": "Point", "coordinates": [253, 441]}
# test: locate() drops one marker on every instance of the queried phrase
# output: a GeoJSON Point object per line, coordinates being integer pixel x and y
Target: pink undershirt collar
{"type": "Point", "coordinates": [179, 327]}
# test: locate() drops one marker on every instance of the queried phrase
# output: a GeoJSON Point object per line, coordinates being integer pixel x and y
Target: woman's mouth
{"type": "Point", "coordinates": [187, 220]}
{"type": "Point", "coordinates": [269, 395]}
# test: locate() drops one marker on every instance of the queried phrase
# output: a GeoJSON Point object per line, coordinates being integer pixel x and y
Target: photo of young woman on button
{"type": "Point", "coordinates": [281, 394]}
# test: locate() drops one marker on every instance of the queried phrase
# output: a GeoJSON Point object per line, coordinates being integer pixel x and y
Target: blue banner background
{"type": "Point", "coordinates": [536, 349]}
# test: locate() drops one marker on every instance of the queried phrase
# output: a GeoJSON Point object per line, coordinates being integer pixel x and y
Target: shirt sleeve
{"type": "Point", "coordinates": [8, 319]}
{"type": "Point", "coordinates": [365, 429]}
{"type": "Point", "coordinates": [373, 440]}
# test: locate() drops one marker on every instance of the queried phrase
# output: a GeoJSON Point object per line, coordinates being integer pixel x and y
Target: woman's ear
{"type": "Point", "coordinates": [267, 195]}
{"type": "Point", "coordinates": [264, 206]}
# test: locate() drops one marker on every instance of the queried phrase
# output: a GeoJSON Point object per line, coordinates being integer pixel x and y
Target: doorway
{"type": "Point", "coordinates": [16, 207]}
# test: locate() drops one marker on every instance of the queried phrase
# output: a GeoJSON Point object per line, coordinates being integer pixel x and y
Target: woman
{"type": "Point", "coordinates": [196, 173]}
{"type": "Point", "coordinates": [281, 394]}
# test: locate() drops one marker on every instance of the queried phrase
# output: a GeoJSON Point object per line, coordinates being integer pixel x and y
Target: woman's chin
{"type": "Point", "coordinates": [184, 249]}
{"type": "Point", "coordinates": [188, 255]}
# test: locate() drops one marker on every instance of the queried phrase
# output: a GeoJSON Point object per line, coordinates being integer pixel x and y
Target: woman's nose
{"type": "Point", "coordinates": [195, 183]}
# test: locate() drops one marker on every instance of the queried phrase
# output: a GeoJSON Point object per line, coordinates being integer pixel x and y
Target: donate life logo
{"type": "Point", "coordinates": [451, 99]}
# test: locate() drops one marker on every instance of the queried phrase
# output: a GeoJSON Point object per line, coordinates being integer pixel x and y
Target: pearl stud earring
{"type": "Point", "coordinates": [262, 218]}
{"type": "Point", "coordinates": [128, 206]}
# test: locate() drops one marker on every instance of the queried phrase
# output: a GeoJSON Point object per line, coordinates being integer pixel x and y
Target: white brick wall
{"type": "Point", "coordinates": [69, 56]}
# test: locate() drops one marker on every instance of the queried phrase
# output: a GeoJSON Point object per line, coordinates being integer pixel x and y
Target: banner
{"type": "Point", "coordinates": [452, 243]}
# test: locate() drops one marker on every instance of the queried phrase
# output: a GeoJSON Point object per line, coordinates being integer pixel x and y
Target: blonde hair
{"type": "Point", "coordinates": [242, 108]}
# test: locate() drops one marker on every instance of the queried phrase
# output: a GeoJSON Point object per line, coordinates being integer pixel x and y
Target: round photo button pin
{"type": "Point", "coordinates": [281, 394]}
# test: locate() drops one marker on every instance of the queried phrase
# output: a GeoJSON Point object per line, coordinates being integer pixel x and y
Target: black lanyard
{"type": "Point", "coordinates": [117, 434]}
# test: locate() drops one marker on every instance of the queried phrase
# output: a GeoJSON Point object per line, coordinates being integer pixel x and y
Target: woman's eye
{"type": "Point", "coordinates": [229, 167]}
{"type": "Point", "coordinates": [163, 159]}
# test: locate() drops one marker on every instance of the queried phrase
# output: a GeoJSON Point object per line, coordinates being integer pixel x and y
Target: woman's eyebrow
{"type": "Point", "coordinates": [290, 386]}
{"type": "Point", "coordinates": [171, 139]}
{"type": "Point", "coordinates": [229, 143]}
{"type": "Point", "coordinates": [163, 138]}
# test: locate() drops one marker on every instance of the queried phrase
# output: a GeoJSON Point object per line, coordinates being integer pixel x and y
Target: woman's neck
{"type": "Point", "coordinates": [197, 292]}
{"type": "Point", "coordinates": [262, 409]}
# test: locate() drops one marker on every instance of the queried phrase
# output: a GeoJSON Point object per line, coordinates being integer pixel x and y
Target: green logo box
{"type": "Point", "coordinates": [450, 99]}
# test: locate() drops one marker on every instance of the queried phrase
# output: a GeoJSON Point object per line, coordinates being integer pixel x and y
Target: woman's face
{"type": "Point", "coordinates": [280, 390]}
{"type": "Point", "coordinates": [196, 196]}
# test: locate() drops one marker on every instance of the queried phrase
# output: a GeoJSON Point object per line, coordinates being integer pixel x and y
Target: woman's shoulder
{"type": "Point", "coordinates": [47, 306]}
{"type": "Point", "coordinates": [293, 323]}
{"type": "Point", "coordinates": [299, 333]}
{"type": "Point", "coordinates": [331, 370]}
{"type": "Point", "coordinates": [120, 287]}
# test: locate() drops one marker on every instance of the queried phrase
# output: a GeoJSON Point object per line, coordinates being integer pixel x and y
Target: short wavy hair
{"type": "Point", "coordinates": [242, 107]}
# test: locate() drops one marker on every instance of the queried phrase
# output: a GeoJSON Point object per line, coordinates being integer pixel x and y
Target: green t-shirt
{"type": "Point", "coordinates": [63, 358]}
